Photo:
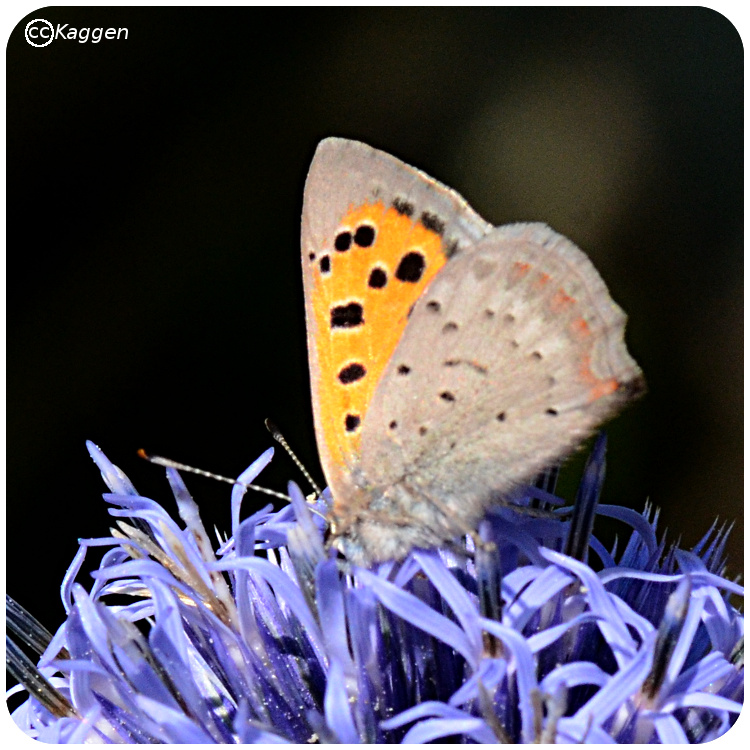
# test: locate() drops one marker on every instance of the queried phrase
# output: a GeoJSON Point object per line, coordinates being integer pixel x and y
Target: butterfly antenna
{"type": "Point", "coordinates": [279, 438]}
{"type": "Point", "coordinates": [161, 461]}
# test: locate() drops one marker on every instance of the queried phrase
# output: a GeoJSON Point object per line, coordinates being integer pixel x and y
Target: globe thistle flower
{"type": "Point", "coordinates": [268, 638]}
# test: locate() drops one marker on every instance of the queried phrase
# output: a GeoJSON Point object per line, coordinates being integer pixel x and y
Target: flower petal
{"type": "Point", "coordinates": [610, 622]}
{"type": "Point", "coordinates": [620, 686]}
{"type": "Point", "coordinates": [419, 614]}
{"type": "Point", "coordinates": [525, 672]}
{"type": "Point", "coordinates": [453, 593]}
{"type": "Point", "coordinates": [431, 729]}
{"type": "Point", "coordinates": [336, 704]}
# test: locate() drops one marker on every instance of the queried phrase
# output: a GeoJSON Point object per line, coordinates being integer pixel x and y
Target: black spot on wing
{"type": "Point", "coordinates": [347, 316]}
{"type": "Point", "coordinates": [403, 206]}
{"type": "Point", "coordinates": [451, 249]}
{"type": "Point", "coordinates": [364, 236]}
{"type": "Point", "coordinates": [410, 268]}
{"type": "Point", "coordinates": [352, 373]}
{"type": "Point", "coordinates": [352, 422]}
{"type": "Point", "coordinates": [343, 241]}
{"type": "Point", "coordinates": [432, 222]}
{"type": "Point", "coordinates": [378, 278]}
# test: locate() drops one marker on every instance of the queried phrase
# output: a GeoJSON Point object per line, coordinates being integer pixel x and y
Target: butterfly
{"type": "Point", "coordinates": [450, 360]}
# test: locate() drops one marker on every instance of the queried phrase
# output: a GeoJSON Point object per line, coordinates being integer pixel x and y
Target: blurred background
{"type": "Point", "coordinates": [154, 193]}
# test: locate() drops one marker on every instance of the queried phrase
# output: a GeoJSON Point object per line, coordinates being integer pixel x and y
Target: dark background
{"type": "Point", "coordinates": [154, 194]}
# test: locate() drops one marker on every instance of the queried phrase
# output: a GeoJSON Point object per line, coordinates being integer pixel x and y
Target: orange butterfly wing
{"type": "Point", "coordinates": [374, 234]}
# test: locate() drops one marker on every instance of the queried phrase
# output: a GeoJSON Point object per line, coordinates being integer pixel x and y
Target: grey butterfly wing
{"type": "Point", "coordinates": [345, 173]}
{"type": "Point", "coordinates": [512, 356]}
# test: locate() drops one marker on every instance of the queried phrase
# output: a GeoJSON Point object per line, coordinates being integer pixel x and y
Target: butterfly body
{"type": "Point", "coordinates": [450, 360]}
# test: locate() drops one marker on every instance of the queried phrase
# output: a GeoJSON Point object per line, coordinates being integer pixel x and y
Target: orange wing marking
{"type": "Point", "coordinates": [385, 299]}
{"type": "Point", "coordinates": [560, 301]}
{"type": "Point", "coordinates": [599, 387]}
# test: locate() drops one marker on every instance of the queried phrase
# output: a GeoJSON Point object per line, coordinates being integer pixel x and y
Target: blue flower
{"type": "Point", "coordinates": [267, 637]}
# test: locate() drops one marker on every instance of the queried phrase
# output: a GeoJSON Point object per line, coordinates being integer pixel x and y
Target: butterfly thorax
{"type": "Point", "coordinates": [374, 524]}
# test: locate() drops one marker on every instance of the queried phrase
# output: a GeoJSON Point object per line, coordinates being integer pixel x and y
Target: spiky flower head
{"type": "Point", "coordinates": [269, 638]}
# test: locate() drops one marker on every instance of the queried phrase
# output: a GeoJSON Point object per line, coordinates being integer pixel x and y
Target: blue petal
{"type": "Point", "coordinates": [416, 612]}
{"type": "Point", "coordinates": [548, 582]}
{"type": "Point", "coordinates": [330, 599]}
{"type": "Point", "coordinates": [86, 730]}
{"type": "Point", "coordinates": [709, 669]}
{"type": "Point", "coordinates": [246, 477]}
{"type": "Point", "coordinates": [698, 578]}
{"type": "Point", "coordinates": [179, 728]}
{"type": "Point", "coordinates": [572, 731]}
{"type": "Point", "coordinates": [111, 557]}
{"type": "Point", "coordinates": [66, 589]}
{"type": "Point", "coordinates": [249, 732]}
{"type": "Point", "coordinates": [285, 589]}
{"type": "Point", "coordinates": [610, 624]}
{"type": "Point", "coordinates": [640, 624]}
{"type": "Point", "coordinates": [686, 636]}
{"type": "Point", "coordinates": [490, 674]}
{"type": "Point", "coordinates": [601, 551]}
{"type": "Point", "coordinates": [169, 644]}
{"type": "Point", "coordinates": [93, 626]}
{"type": "Point", "coordinates": [620, 687]}
{"type": "Point", "coordinates": [525, 672]}
{"type": "Point", "coordinates": [431, 729]}
{"type": "Point", "coordinates": [704, 700]}
{"type": "Point", "coordinates": [669, 730]}
{"type": "Point", "coordinates": [302, 511]}
{"type": "Point", "coordinates": [336, 704]}
{"type": "Point", "coordinates": [634, 519]}
{"type": "Point", "coordinates": [111, 474]}
{"type": "Point", "coordinates": [541, 640]}
{"type": "Point", "coordinates": [245, 547]}
{"type": "Point", "coordinates": [407, 570]}
{"type": "Point", "coordinates": [250, 474]}
{"type": "Point", "coordinates": [573, 674]}
{"type": "Point", "coordinates": [719, 623]}
{"type": "Point", "coordinates": [422, 710]}
{"type": "Point", "coordinates": [456, 595]}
